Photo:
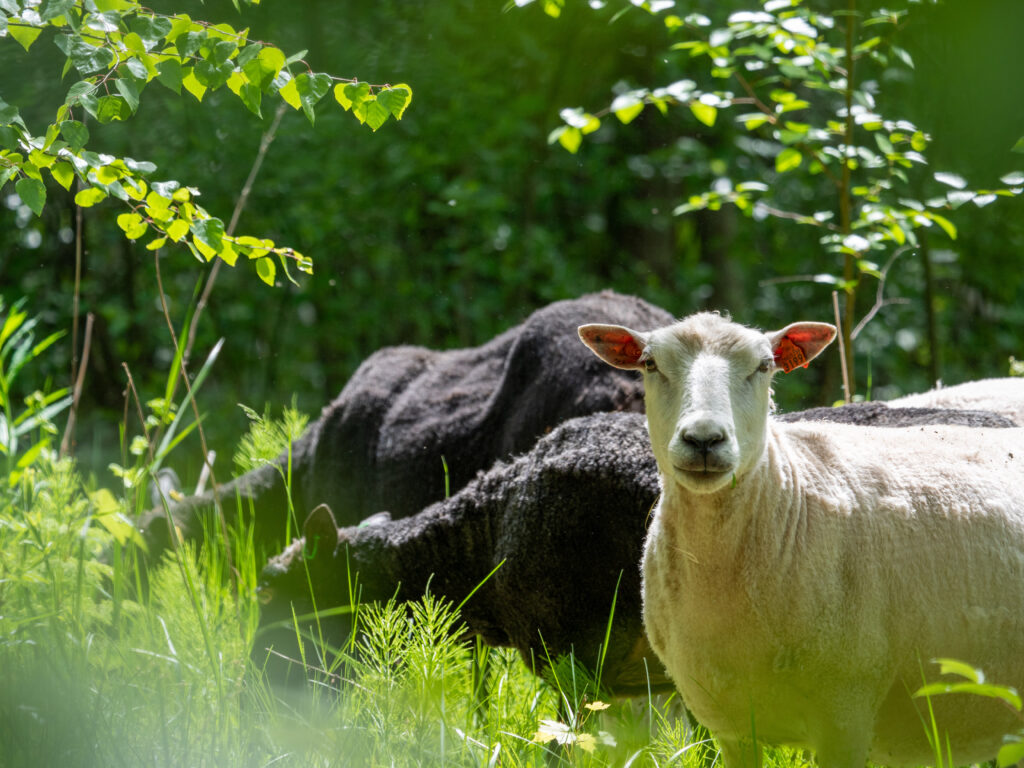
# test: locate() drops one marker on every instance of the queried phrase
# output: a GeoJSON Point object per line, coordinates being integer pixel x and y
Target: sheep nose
{"type": "Point", "coordinates": [702, 436]}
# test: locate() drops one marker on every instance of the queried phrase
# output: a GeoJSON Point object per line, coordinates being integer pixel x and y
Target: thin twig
{"type": "Point", "coordinates": [243, 199]}
{"type": "Point", "coordinates": [75, 295]}
{"type": "Point", "coordinates": [76, 395]}
{"type": "Point", "coordinates": [879, 301]}
{"type": "Point", "coordinates": [138, 407]}
{"type": "Point", "coordinates": [842, 347]}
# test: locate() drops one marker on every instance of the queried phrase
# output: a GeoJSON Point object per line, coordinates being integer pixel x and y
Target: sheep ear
{"type": "Point", "coordinates": [615, 344]}
{"type": "Point", "coordinates": [799, 343]}
{"type": "Point", "coordinates": [320, 529]}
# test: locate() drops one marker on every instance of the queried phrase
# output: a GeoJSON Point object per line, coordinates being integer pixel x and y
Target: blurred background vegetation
{"type": "Point", "coordinates": [455, 223]}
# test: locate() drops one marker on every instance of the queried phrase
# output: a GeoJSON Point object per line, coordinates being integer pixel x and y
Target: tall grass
{"type": "Point", "coordinates": [101, 664]}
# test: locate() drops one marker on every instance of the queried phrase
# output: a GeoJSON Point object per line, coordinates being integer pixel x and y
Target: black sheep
{"type": "Point", "coordinates": [381, 443]}
{"type": "Point", "coordinates": [564, 526]}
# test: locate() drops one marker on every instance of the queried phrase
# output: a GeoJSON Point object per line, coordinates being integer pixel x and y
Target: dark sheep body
{"type": "Point", "coordinates": [568, 519]}
{"type": "Point", "coordinates": [379, 445]}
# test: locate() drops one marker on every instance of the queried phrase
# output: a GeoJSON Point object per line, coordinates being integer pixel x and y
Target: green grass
{"type": "Point", "coordinates": [102, 667]}
{"type": "Point", "coordinates": [103, 664]}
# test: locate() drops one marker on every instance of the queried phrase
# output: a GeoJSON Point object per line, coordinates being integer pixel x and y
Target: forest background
{"type": "Point", "coordinates": [453, 224]}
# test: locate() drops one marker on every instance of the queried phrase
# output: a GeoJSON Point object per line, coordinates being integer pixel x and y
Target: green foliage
{"type": "Point", "coordinates": [268, 438]}
{"type": "Point", "coordinates": [809, 81]}
{"type": "Point", "coordinates": [117, 48]}
{"type": "Point", "coordinates": [971, 681]}
{"type": "Point", "coordinates": [18, 348]}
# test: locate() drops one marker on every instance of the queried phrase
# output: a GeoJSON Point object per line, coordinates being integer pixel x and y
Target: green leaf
{"type": "Point", "coordinates": [266, 269]}
{"type": "Point", "coordinates": [8, 113]}
{"type": "Point", "coordinates": [351, 95]}
{"type": "Point", "coordinates": [189, 43]}
{"type": "Point", "coordinates": [88, 59]}
{"type": "Point", "coordinates": [64, 173]}
{"type": "Point", "coordinates": [209, 232]}
{"type": "Point", "coordinates": [192, 85]}
{"type": "Point", "coordinates": [151, 29]}
{"type": "Point", "coordinates": [704, 112]}
{"type": "Point", "coordinates": [627, 106]}
{"type": "Point", "coordinates": [111, 108]}
{"type": "Point", "coordinates": [133, 225]}
{"type": "Point", "coordinates": [946, 225]}
{"type": "Point", "coordinates": [88, 197]}
{"type": "Point", "coordinates": [129, 89]}
{"type": "Point", "coordinates": [395, 99]}
{"type": "Point", "coordinates": [170, 74]}
{"type": "Point", "coordinates": [570, 138]}
{"type": "Point", "coordinates": [32, 193]}
{"type": "Point", "coordinates": [373, 113]}
{"type": "Point", "coordinates": [24, 35]}
{"type": "Point", "coordinates": [951, 179]}
{"type": "Point", "coordinates": [263, 67]}
{"type": "Point", "coordinates": [213, 75]}
{"type": "Point", "coordinates": [223, 50]}
{"type": "Point", "coordinates": [251, 96]}
{"type": "Point", "coordinates": [310, 89]}
{"type": "Point", "coordinates": [177, 229]}
{"type": "Point", "coordinates": [788, 159]}
{"type": "Point", "coordinates": [78, 90]}
{"type": "Point", "coordinates": [290, 93]}
{"type": "Point", "coordinates": [1011, 752]}
{"type": "Point", "coordinates": [752, 120]}
{"type": "Point", "coordinates": [52, 9]}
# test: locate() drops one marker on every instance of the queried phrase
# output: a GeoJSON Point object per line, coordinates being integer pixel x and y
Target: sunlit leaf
{"type": "Point", "coordinates": [88, 197]}
{"type": "Point", "coordinates": [209, 232]}
{"type": "Point", "coordinates": [395, 99]}
{"type": "Point", "coordinates": [951, 179]}
{"type": "Point", "coordinates": [266, 270]}
{"type": "Point", "coordinates": [32, 193]}
{"type": "Point", "coordinates": [63, 173]}
{"type": "Point", "coordinates": [704, 112]}
{"type": "Point", "coordinates": [133, 225]}
{"type": "Point", "coordinates": [24, 35]}
{"type": "Point", "coordinates": [788, 159]}
{"type": "Point", "coordinates": [1012, 752]}
{"type": "Point", "coordinates": [374, 113]}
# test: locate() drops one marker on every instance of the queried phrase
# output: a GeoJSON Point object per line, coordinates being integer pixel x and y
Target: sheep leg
{"type": "Point", "coordinates": [740, 753]}
{"type": "Point", "coordinates": [845, 746]}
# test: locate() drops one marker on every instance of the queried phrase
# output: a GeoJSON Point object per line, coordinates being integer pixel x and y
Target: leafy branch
{"type": "Point", "coordinates": [118, 47]}
{"type": "Point", "coordinates": [805, 105]}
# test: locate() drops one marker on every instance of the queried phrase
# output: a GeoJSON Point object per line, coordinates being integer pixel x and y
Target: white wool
{"type": "Point", "coordinates": [1002, 396]}
{"type": "Point", "coordinates": [800, 586]}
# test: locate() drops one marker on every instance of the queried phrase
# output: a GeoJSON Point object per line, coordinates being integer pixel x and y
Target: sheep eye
{"type": "Point", "coordinates": [765, 366]}
{"type": "Point", "coordinates": [650, 366]}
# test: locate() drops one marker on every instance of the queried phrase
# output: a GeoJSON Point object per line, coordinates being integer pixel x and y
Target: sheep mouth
{"type": "Point", "coordinates": [702, 477]}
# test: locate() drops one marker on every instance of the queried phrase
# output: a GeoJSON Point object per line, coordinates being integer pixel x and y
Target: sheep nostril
{"type": "Point", "coordinates": [703, 443]}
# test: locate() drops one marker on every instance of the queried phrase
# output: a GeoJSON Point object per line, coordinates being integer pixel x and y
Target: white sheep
{"type": "Point", "coordinates": [1002, 396]}
{"type": "Point", "coordinates": [798, 579]}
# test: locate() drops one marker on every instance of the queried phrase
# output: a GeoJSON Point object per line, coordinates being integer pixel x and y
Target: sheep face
{"type": "Point", "coordinates": [708, 389]}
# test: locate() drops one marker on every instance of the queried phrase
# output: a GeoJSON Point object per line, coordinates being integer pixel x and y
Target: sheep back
{"type": "Point", "coordinates": [379, 445]}
{"type": "Point", "coordinates": [1003, 396]}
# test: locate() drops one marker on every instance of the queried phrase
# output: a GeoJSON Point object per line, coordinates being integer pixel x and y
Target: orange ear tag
{"type": "Point", "coordinates": [789, 356]}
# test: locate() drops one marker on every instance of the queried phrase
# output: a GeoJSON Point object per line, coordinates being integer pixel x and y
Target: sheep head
{"type": "Point", "coordinates": [708, 389]}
